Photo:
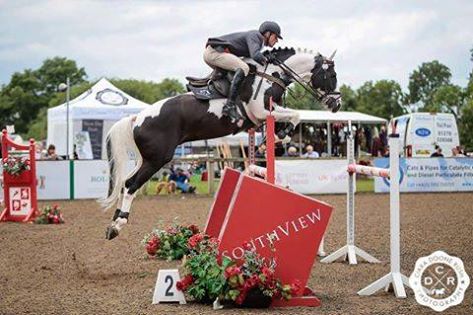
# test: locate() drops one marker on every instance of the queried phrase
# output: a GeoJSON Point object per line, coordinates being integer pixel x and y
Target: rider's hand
{"type": "Point", "coordinates": [271, 58]}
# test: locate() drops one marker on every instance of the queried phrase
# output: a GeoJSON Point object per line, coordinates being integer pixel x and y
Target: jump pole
{"type": "Point", "coordinates": [350, 250]}
{"type": "Point", "coordinates": [394, 279]}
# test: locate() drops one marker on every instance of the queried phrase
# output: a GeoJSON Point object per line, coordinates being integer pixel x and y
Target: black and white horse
{"type": "Point", "coordinates": [154, 133]}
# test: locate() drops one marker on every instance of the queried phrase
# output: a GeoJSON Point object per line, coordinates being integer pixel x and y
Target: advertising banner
{"type": "Point", "coordinates": [313, 176]}
{"type": "Point", "coordinates": [53, 180]}
{"type": "Point", "coordinates": [90, 179]}
{"type": "Point", "coordinates": [429, 175]}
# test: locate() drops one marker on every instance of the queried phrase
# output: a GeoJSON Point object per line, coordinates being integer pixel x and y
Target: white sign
{"type": "Point", "coordinates": [20, 200]}
{"type": "Point", "coordinates": [83, 146]}
{"type": "Point", "coordinates": [429, 174]}
{"type": "Point", "coordinates": [165, 289]}
{"type": "Point", "coordinates": [313, 176]}
{"type": "Point", "coordinates": [90, 179]}
{"type": "Point", "coordinates": [53, 180]}
{"type": "Point", "coordinates": [439, 281]}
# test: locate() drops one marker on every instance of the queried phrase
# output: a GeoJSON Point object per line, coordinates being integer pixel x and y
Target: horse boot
{"type": "Point", "coordinates": [230, 109]}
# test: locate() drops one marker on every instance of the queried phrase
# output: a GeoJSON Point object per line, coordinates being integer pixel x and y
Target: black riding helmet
{"type": "Point", "coordinates": [270, 26]}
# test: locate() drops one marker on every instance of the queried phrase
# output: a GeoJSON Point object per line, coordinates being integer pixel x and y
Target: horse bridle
{"type": "Point", "coordinates": [316, 93]}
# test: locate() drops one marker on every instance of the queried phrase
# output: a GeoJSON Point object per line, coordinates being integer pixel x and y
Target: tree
{"type": "Point", "coordinates": [30, 91]}
{"type": "Point", "coordinates": [424, 81]}
{"type": "Point", "coordinates": [446, 98]}
{"type": "Point", "coordinates": [150, 92]}
{"type": "Point", "coordinates": [383, 98]}
{"type": "Point", "coordinates": [466, 125]}
{"type": "Point", "coordinates": [55, 71]}
{"type": "Point", "coordinates": [349, 101]}
{"type": "Point", "coordinates": [299, 98]}
{"type": "Point", "coordinates": [21, 100]}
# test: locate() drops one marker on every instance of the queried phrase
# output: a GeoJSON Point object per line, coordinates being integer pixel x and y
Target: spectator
{"type": "Point", "coordinates": [165, 183]}
{"type": "Point", "coordinates": [39, 154]}
{"type": "Point", "coordinates": [458, 152]}
{"type": "Point", "coordinates": [438, 152]}
{"type": "Point", "coordinates": [292, 151]}
{"type": "Point", "coordinates": [51, 153]}
{"type": "Point", "coordinates": [310, 153]}
{"type": "Point", "coordinates": [182, 181]}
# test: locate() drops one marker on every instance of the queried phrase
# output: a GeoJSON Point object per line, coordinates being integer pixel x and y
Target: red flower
{"type": "Point", "coordinates": [152, 245]}
{"type": "Point", "coordinates": [194, 229]}
{"type": "Point", "coordinates": [56, 219]}
{"type": "Point", "coordinates": [184, 283]}
{"type": "Point", "coordinates": [267, 272]}
{"type": "Point", "coordinates": [248, 246]}
{"type": "Point", "coordinates": [55, 207]}
{"type": "Point", "coordinates": [232, 271]}
{"type": "Point", "coordinates": [194, 240]}
{"type": "Point", "coordinates": [240, 298]}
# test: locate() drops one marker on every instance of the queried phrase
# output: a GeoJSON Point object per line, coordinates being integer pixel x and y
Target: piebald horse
{"type": "Point", "coordinates": [153, 134]}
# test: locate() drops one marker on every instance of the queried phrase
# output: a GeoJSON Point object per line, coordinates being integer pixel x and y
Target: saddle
{"type": "Point", "coordinates": [215, 85]}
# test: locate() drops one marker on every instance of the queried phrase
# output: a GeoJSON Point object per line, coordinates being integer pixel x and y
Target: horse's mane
{"type": "Point", "coordinates": [281, 53]}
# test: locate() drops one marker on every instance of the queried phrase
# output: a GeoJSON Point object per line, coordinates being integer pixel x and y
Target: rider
{"type": "Point", "coordinates": [225, 52]}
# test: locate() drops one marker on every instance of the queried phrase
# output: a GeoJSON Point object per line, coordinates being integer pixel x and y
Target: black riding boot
{"type": "Point", "coordinates": [229, 109]}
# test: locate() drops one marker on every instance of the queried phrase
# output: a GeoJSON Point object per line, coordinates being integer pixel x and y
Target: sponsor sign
{"type": "Point", "coordinates": [424, 175]}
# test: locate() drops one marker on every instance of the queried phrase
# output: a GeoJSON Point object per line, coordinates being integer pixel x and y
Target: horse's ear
{"type": "Point", "coordinates": [332, 55]}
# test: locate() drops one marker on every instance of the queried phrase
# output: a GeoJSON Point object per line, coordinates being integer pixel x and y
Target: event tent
{"type": "Point", "coordinates": [91, 115]}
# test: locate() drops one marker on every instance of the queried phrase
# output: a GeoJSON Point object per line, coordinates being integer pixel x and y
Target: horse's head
{"type": "Point", "coordinates": [315, 73]}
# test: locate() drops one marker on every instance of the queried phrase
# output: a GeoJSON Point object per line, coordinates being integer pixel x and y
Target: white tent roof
{"type": "Point", "coordinates": [322, 116]}
{"type": "Point", "coordinates": [101, 101]}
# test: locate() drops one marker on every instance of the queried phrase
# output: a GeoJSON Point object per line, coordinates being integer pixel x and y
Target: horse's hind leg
{"type": "Point", "coordinates": [132, 185]}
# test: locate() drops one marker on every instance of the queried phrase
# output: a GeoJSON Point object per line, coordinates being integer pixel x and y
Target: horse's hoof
{"type": "Point", "coordinates": [111, 233]}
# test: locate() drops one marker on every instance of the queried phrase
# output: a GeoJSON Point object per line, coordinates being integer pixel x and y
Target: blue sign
{"type": "Point", "coordinates": [423, 132]}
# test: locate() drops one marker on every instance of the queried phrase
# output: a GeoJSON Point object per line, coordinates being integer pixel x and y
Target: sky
{"type": "Point", "coordinates": [153, 40]}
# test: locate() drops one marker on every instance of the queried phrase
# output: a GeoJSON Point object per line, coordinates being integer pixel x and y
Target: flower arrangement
{"type": "Point", "coordinates": [170, 243]}
{"type": "Point", "coordinates": [50, 215]}
{"type": "Point", "coordinates": [15, 165]}
{"type": "Point", "coordinates": [248, 282]}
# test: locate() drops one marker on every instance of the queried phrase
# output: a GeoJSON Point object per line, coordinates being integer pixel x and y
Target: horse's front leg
{"type": "Point", "coordinates": [286, 115]}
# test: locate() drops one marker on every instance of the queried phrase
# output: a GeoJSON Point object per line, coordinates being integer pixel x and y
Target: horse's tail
{"type": "Point", "coordinates": [119, 143]}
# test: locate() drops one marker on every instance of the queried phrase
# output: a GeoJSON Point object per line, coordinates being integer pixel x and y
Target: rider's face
{"type": "Point", "coordinates": [272, 40]}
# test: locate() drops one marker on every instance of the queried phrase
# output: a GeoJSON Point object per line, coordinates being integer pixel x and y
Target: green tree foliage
{"type": "Point", "coordinates": [382, 98]}
{"type": "Point", "coordinates": [424, 81]}
{"type": "Point", "coordinates": [54, 71]}
{"type": "Point", "coordinates": [349, 101]}
{"type": "Point", "coordinates": [299, 98]}
{"type": "Point", "coordinates": [150, 92]}
{"type": "Point", "coordinates": [466, 125]}
{"type": "Point", "coordinates": [445, 98]}
{"type": "Point", "coordinates": [28, 92]}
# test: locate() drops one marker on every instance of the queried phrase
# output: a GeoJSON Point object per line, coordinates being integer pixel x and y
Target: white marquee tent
{"type": "Point", "coordinates": [91, 115]}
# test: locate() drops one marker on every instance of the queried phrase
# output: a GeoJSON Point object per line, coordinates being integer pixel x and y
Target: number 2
{"type": "Point", "coordinates": [171, 283]}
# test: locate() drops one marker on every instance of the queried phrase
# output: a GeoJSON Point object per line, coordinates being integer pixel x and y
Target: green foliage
{"type": "Point", "coordinates": [28, 92]}
{"type": "Point", "coordinates": [424, 81]}
{"type": "Point", "coordinates": [299, 98]}
{"type": "Point", "coordinates": [466, 125]}
{"type": "Point", "coordinates": [55, 71]}
{"type": "Point", "coordinates": [349, 101]}
{"type": "Point", "coordinates": [445, 98]}
{"type": "Point", "coordinates": [150, 92]}
{"type": "Point", "coordinates": [383, 99]}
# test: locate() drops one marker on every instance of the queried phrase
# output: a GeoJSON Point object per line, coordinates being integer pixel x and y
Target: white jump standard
{"type": "Point", "coordinates": [394, 279]}
{"type": "Point", "coordinates": [349, 251]}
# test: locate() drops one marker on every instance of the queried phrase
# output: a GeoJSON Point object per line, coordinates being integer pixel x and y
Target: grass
{"type": "Point", "coordinates": [362, 185]}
